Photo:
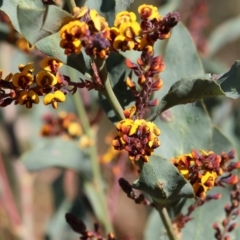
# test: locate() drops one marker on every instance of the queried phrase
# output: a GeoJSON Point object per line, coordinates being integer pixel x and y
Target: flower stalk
{"type": "Point", "coordinates": [108, 91]}
{"type": "Point", "coordinates": [97, 177]}
{"type": "Point", "coordinates": [71, 4]}
{"type": "Point", "coordinates": [166, 221]}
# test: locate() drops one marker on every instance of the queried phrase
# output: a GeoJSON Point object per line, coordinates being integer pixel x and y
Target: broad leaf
{"type": "Point", "coordinates": [230, 81]}
{"type": "Point", "coordinates": [10, 8]}
{"type": "Point", "coordinates": [189, 90]}
{"type": "Point", "coordinates": [161, 180]}
{"type": "Point", "coordinates": [183, 128]}
{"type": "Point", "coordinates": [179, 55]}
{"type": "Point", "coordinates": [36, 24]}
{"type": "Point", "coordinates": [220, 143]}
{"type": "Point", "coordinates": [56, 152]}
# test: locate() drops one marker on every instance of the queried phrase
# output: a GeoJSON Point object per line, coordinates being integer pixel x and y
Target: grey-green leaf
{"type": "Point", "coordinates": [56, 152]}
{"type": "Point", "coordinates": [183, 128]}
{"type": "Point", "coordinates": [36, 24]}
{"type": "Point", "coordinates": [230, 81]}
{"type": "Point", "coordinates": [160, 179]}
{"type": "Point", "coordinates": [189, 90]}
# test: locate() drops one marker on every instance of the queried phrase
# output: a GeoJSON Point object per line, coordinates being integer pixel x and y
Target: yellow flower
{"type": "Point", "coordinates": [85, 142]}
{"type": "Point", "coordinates": [99, 22]}
{"type": "Point", "coordinates": [71, 34]}
{"type": "Point", "coordinates": [200, 170]}
{"type": "Point", "coordinates": [28, 98]}
{"type": "Point", "coordinates": [51, 64]}
{"type": "Point", "coordinates": [27, 69]}
{"type": "Point", "coordinates": [139, 138]}
{"type": "Point", "coordinates": [130, 29]}
{"type": "Point", "coordinates": [45, 79]}
{"type": "Point", "coordinates": [73, 30]}
{"type": "Point", "coordinates": [54, 98]}
{"type": "Point", "coordinates": [74, 129]}
{"type": "Point", "coordinates": [71, 47]}
{"type": "Point", "coordinates": [80, 12]}
{"type": "Point", "coordinates": [124, 16]}
{"type": "Point", "coordinates": [148, 12]}
{"type": "Point", "coordinates": [122, 43]}
{"type": "Point", "coordinates": [22, 80]}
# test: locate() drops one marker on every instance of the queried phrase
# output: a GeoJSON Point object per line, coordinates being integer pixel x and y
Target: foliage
{"type": "Point", "coordinates": [162, 93]}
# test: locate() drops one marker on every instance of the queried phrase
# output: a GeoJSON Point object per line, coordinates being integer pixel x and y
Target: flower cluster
{"type": "Point", "coordinates": [128, 34]}
{"type": "Point", "coordinates": [232, 211]}
{"type": "Point", "coordinates": [79, 227]}
{"type": "Point", "coordinates": [88, 30]}
{"type": "Point", "coordinates": [64, 124]}
{"type": "Point", "coordinates": [138, 137]}
{"type": "Point", "coordinates": [205, 170]}
{"type": "Point", "coordinates": [24, 87]}
{"type": "Point", "coordinates": [147, 70]}
{"type": "Point", "coordinates": [181, 220]}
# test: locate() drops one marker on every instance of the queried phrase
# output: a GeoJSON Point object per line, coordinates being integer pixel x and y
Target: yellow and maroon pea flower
{"type": "Point", "coordinates": [46, 79]}
{"type": "Point", "coordinates": [130, 30]}
{"type": "Point", "coordinates": [123, 44]}
{"type": "Point", "coordinates": [205, 170]}
{"type": "Point", "coordinates": [80, 12]}
{"type": "Point", "coordinates": [148, 12]}
{"type": "Point", "coordinates": [28, 98]}
{"type": "Point", "coordinates": [71, 46]}
{"type": "Point", "coordinates": [139, 138]}
{"type": "Point", "coordinates": [70, 35]}
{"type": "Point", "coordinates": [54, 98]}
{"type": "Point", "coordinates": [51, 64]}
{"type": "Point", "coordinates": [22, 79]}
{"type": "Point", "coordinates": [24, 45]}
{"type": "Point", "coordinates": [123, 17]}
{"type": "Point", "coordinates": [27, 69]}
{"type": "Point", "coordinates": [99, 21]}
{"type": "Point", "coordinates": [74, 129]}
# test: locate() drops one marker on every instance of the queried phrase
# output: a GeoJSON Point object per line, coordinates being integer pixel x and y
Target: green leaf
{"type": "Point", "coordinates": [189, 90]}
{"type": "Point", "coordinates": [10, 8]}
{"type": "Point", "coordinates": [226, 32]}
{"type": "Point", "coordinates": [56, 152]}
{"type": "Point", "coordinates": [230, 81]}
{"type": "Point", "coordinates": [160, 179]}
{"type": "Point", "coordinates": [220, 142]}
{"type": "Point", "coordinates": [118, 72]}
{"type": "Point", "coordinates": [36, 24]}
{"type": "Point", "coordinates": [181, 59]}
{"type": "Point", "coordinates": [183, 129]}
